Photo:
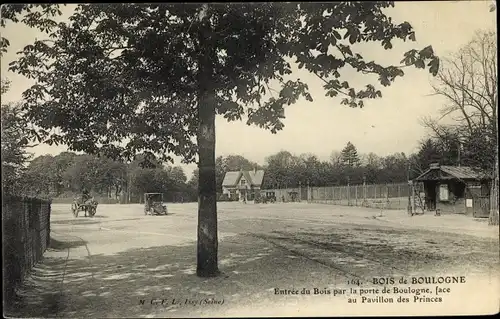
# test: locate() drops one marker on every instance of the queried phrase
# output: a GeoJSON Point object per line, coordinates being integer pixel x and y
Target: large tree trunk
{"type": "Point", "coordinates": [207, 204]}
{"type": "Point", "coordinates": [207, 264]}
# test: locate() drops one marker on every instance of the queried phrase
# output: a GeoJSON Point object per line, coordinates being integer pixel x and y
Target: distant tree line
{"type": "Point", "coordinates": [68, 174]}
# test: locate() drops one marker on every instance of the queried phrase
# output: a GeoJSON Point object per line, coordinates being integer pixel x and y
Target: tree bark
{"type": "Point", "coordinates": [207, 204]}
{"type": "Point", "coordinates": [207, 261]}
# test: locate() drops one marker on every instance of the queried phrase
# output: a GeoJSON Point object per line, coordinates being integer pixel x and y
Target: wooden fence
{"type": "Point", "coordinates": [26, 236]}
{"type": "Point", "coordinates": [388, 196]}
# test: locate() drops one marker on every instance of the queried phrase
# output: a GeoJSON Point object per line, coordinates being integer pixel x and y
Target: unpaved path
{"type": "Point", "coordinates": [105, 266]}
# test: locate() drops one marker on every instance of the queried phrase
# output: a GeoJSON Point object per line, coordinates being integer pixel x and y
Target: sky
{"type": "Point", "coordinates": [384, 126]}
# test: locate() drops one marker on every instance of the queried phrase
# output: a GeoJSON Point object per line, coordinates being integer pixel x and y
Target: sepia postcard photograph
{"type": "Point", "coordinates": [249, 159]}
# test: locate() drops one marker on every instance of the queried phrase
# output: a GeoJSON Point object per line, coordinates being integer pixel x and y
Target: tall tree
{"type": "Point", "coordinates": [130, 78]}
{"type": "Point", "coordinates": [14, 148]}
{"type": "Point", "coordinates": [395, 168]}
{"type": "Point", "coordinates": [372, 168]}
{"type": "Point", "coordinates": [41, 176]}
{"type": "Point", "coordinates": [148, 180]}
{"type": "Point", "coordinates": [14, 145]}
{"type": "Point", "coordinates": [278, 169]}
{"type": "Point", "coordinates": [4, 86]}
{"type": "Point", "coordinates": [312, 169]}
{"type": "Point", "coordinates": [372, 159]}
{"type": "Point", "coordinates": [177, 174]}
{"type": "Point", "coordinates": [176, 183]}
{"type": "Point", "coordinates": [350, 155]}
{"type": "Point", "coordinates": [428, 152]}
{"type": "Point", "coordinates": [84, 173]}
{"type": "Point", "coordinates": [237, 162]}
{"type": "Point", "coordinates": [468, 81]}
{"type": "Point", "coordinates": [111, 177]}
{"type": "Point", "coordinates": [220, 172]}
{"type": "Point", "coordinates": [58, 167]}
{"type": "Point", "coordinates": [336, 158]}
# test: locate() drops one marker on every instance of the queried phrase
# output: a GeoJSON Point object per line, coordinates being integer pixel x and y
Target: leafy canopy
{"type": "Point", "coordinates": [124, 78]}
{"type": "Point", "coordinates": [34, 15]}
{"type": "Point", "coordinates": [14, 144]}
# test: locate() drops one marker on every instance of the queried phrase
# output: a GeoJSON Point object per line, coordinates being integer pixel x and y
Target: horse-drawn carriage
{"type": "Point", "coordinates": [88, 206]}
{"type": "Point", "coordinates": [153, 204]}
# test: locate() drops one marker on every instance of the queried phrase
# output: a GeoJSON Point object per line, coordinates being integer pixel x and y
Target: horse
{"type": "Point", "coordinates": [89, 206]}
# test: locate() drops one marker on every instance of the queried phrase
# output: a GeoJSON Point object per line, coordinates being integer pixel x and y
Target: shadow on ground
{"type": "Point", "coordinates": [376, 251]}
{"type": "Point", "coordinates": [96, 216]}
{"type": "Point", "coordinates": [78, 221]}
{"type": "Point", "coordinates": [113, 285]}
{"type": "Point", "coordinates": [56, 244]}
{"type": "Point", "coordinates": [252, 266]}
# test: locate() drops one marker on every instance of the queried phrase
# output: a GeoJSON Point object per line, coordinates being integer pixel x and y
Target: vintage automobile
{"type": "Point", "coordinates": [153, 204]}
{"type": "Point", "coordinates": [266, 197]}
{"type": "Point", "coordinates": [294, 196]}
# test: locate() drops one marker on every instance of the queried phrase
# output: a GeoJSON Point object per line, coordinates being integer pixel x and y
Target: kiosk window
{"type": "Point", "coordinates": [443, 192]}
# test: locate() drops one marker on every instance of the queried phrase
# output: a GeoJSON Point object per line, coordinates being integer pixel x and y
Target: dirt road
{"type": "Point", "coordinates": [104, 266]}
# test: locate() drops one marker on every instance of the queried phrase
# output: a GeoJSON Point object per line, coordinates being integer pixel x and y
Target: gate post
{"type": "Point", "coordinates": [308, 192]}
{"type": "Point", "coordinates": [300, 192]}
{"type": "Point", "coordinates": [409, 197]}
{"type": "Point", "coordinates": [364, 191]}
{"type": "Point", "coordinates": [387, 195]}
{"type": "Point", "coordinates": [413, 198]}
{"type": "Point", "coordinates": [399, 195]}
{"type": "Point", "coordinates": [348, 191]}
{"type": "Point", "coordinates": [356, 194]}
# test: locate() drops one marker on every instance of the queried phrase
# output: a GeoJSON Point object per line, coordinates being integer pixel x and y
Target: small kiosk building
{"type": "Point", "coordinates": [456, 189]}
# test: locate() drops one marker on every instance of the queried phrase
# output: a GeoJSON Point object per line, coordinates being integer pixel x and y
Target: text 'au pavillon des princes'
{"type": "Point", "coordinates": [387, 289]}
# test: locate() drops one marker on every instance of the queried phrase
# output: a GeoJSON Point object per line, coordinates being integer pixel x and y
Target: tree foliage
{"type": "Point", "coordinates": [468, 82]}
{"type": "Point", "coordinates": [285, 170]}
{"type": "Point", "coordinates": [38, 16]}
{"type": "Point", "coordinates": [106, 76]}
{"type": "Point", "coordinates": [349, 155]}
{"type": "Point", "coordinates": [122, 79]}
{"type": "Point", "coordinates": [14, 144]}
{"type": "Point", "coordinates": [68, 174]}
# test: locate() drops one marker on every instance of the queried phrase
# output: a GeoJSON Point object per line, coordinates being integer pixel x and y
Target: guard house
{"type": "Point", "coordinates": [242, 185]}
{"type": "Point", "coordinates": [456, 189]}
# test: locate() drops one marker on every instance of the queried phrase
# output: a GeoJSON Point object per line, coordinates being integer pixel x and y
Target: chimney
{"type": "Point", "coordinates": [434, 166]}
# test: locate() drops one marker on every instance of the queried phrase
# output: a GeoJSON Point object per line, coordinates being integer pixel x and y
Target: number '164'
{"type": "Point", "coordinates": [353, 282]}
